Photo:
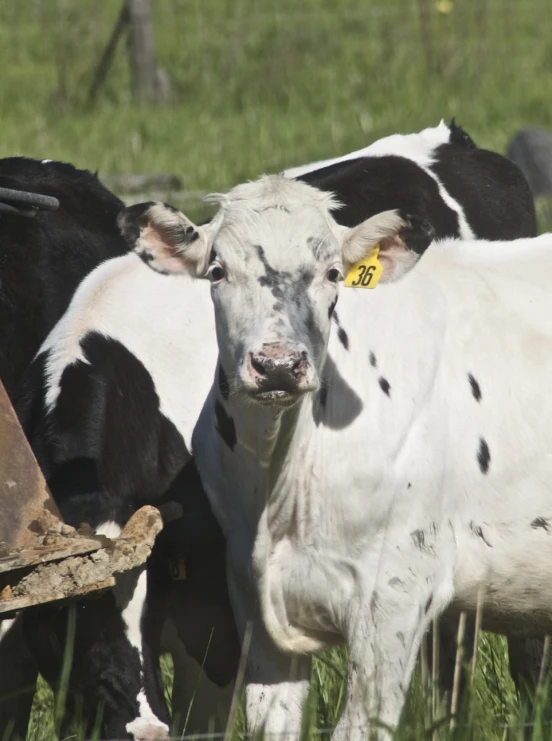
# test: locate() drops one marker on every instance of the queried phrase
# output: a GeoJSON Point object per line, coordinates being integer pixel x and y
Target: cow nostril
{"type": "Point", "coordinates": [257, 366]}
{"type": "Point", "coordinates": [300, 366]}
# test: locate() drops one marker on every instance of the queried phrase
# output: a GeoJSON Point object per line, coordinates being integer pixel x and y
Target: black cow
{"type": "Point", "coordinates": [44, 258]}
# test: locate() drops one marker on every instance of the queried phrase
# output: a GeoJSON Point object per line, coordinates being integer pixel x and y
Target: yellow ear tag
{"type": "Point", "coordinates": [177, 567]}
{"type": "Point", "coordinates": [365, 273]}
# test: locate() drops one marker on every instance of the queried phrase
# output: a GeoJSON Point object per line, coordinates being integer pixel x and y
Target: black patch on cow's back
{"type": "Point", "coordinates": [541, 522]}
{"type": "Point", "coordinates": [369, 185]}
{"type": "Point", "coordinates": [475, 388]}
{"type": "Point", "coordinates": [385, 386]}
{"type": "Point", "coordinates": [493, 193]}
{"type": "Point", "coordinates": [483, 455]}
{"type": "Point", "coordinates": [490, 189]}
{"type": "Point", "coordinates": [225, 425]}
{"type": "Point", "coordinates": [105, 448]}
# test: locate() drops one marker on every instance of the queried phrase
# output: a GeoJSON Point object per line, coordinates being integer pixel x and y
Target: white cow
{"type": "Point", "coordinates": [375, 465]}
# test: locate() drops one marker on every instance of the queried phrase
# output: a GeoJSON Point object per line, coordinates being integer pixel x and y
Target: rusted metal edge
{"type": "Point", "coordinates": [27, 509]}
{"type": "Point", "coordinates": [78, 575]}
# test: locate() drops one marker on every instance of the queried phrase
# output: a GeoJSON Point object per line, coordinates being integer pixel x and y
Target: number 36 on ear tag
{"type": "Point", "coordinates": [365, 273]}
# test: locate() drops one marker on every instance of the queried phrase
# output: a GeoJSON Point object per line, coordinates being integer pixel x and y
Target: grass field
{"type": "Point", "coordinates": [263, 84]}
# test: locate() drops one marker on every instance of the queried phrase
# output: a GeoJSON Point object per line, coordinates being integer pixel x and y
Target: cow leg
{"type": "Point", "coordinates": [198, 704]}
{"type": "Point", "coordinates": [18, 675]}
{"type": "Point", "coordinates": [276, 684]}
{"type": "Point", "coordinates": [130, 595]}
{"type": "Point", "coordinates": [112, 672]}
{"type": "Point", "coordinates": [383, 641]}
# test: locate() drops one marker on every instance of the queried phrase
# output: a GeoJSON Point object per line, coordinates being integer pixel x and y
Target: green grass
{"type": "Point", "coordinates": [263, 84]}
{"type": "Point", "coordinates": [491, 710]}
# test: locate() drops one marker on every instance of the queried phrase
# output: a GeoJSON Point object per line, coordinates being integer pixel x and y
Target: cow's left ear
{"type": "Point", "coordinates": [402, 240]}
{"type": "Point", "coordinates": [165, 239]}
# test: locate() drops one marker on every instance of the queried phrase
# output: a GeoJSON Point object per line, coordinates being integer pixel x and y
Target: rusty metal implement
{"type": "Point", "coordinates": [41, 558]}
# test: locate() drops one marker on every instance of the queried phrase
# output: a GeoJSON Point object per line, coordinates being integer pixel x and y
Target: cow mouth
{"type": "Point", "coordinates": [275, 397]}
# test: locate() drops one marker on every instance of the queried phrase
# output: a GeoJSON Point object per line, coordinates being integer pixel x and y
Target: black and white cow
{"type": "Point", "coordinates": [369, 469]}
{"type": "Point", "coordinates": [109, 406]}
{"type": "Point", "coordinates": [113, 396]}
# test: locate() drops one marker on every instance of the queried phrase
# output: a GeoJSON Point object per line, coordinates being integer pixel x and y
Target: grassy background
{"type": "Point", "coordinates": [263, 84]}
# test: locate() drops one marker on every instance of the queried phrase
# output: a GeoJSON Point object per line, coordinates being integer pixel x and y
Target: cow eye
{"type": "Point", "coordinates": [215, 272]}
{"type": "Point", "coordinates": [334, 274]}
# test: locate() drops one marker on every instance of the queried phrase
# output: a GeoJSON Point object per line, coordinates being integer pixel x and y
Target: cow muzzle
{"type": "Point", "coordinates": [278, 375]}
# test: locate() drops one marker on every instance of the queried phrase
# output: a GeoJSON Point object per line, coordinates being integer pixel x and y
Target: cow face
{"type": "Point", "coordinates": [274, 256]}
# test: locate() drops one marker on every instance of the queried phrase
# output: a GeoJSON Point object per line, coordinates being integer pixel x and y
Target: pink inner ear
{"type": "Point", "coordinates": [391, 244]}
{"type": "Point", "coordinates": [395, 257]}
{"type": "Point", "coordinates": [168, 257]}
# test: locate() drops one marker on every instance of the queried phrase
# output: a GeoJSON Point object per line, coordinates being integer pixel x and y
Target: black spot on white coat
{"type": "Point", "coordinates": [373, 361]}
{"type": "Point", "coordinates": [541, 522]}
{"type": "Point", "coordinates": [477, 530]}
{"type": "Point", "coordinates": [483, 456]}
{"type": "Point", "coordinates": [385, 386]}
{"type": "Point", "coordinates": [475, 388]}
{"type": "Point", "coordinates": [343, 337]}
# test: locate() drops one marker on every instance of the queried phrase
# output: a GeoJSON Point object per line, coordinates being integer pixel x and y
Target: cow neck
{"type": "Point", "coordinates": [264, 440]}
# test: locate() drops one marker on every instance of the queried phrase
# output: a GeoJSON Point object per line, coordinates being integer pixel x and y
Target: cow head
{"type": "Point", "coordinates": [274, 256]}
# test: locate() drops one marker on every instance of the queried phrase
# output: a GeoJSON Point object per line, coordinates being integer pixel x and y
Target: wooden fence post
{"type": "Point", "coordinates": [141, 45]}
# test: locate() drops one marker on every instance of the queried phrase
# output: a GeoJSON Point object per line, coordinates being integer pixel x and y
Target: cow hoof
{"type": "Point", "coordinates": [148, 729]}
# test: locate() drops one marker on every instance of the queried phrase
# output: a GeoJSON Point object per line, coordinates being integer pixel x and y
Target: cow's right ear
{"type": "Point", "coordinates": [165, 239]}
{"type": "Point", "coordinates": [402, 240]}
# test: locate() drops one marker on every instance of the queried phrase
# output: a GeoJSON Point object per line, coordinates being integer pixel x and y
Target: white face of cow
{"type": "Point", "coordinates": [275, 257]}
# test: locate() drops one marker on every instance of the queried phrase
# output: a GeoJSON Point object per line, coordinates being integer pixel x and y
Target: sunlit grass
{"type": "Point", "coordinates": [263, 84]}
